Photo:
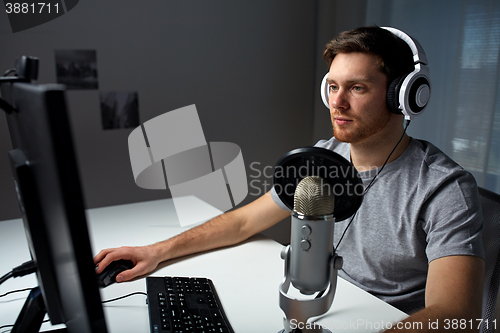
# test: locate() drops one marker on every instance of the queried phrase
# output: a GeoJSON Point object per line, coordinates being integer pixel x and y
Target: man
{"type": "Point", "coordinates": [415, 241]}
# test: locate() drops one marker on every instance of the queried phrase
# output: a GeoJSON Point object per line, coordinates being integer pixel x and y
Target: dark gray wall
{"type": "Point", "coordinates": [333, 17]}
{"type": "Point", "coordinates": [249, 66]}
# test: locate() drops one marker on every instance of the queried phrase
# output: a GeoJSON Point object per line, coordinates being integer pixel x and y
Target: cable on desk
{"type": "Point", "coordinates": [125, 296]}
{"type": "Point", "coordinates": [6, 277]}
{"type": "Point", "coordinates": [27, 268]}
{"type": "Point", "coordinates": [6, 326]}
{"type": "Point", "coordinates": [15, 291]}
{"type": "Point", "coordinates": [8, 293]}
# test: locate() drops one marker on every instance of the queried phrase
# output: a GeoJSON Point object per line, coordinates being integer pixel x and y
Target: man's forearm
{"type": "Point", "coordinates": [223, 230]}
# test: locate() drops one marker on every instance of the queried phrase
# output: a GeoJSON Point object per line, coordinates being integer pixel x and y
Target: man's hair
{"type": "Point", "coordinates": [396, 54]}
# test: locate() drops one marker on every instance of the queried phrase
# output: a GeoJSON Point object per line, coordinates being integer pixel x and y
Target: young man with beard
{"type": "Point", "coordinates": [416, 240]}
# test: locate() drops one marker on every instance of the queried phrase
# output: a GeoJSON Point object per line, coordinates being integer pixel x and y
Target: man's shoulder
{"type": "Point", "coordinates": [433, 158]}
{"type": "Point", "coordinates": [436, 172]}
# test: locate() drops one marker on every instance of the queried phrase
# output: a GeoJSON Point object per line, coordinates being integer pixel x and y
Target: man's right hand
{"type": "Point", "coordinates": [145, 259]}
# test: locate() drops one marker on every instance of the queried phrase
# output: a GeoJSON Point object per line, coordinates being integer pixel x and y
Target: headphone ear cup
{"type": "Point", "coordinates": [392, 98]}
{"type": "Point", "coordinates": [324, 90]}
{"type": "Point", "coordinates": [419, 92]}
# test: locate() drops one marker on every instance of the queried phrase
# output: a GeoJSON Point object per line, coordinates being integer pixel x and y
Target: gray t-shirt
{"type": "Point", "coordinates": [422, 206]}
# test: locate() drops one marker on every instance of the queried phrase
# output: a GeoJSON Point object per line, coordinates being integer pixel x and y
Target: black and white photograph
{"type": "Point", "coordinates": [119, 109]}
{"type": "Point", "coordinates": [77, 69]}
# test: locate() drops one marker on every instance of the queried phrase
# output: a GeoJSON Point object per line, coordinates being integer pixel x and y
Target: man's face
{"type": "Point", "coordinates": [358, 107]}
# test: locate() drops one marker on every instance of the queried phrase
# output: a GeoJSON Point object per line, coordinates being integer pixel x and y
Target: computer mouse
{"type": "Point", "coordinates": [108, 275]}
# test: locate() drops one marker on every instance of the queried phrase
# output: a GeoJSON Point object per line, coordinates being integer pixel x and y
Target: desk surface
{"type": "Point", "coordinates": [246, 276]}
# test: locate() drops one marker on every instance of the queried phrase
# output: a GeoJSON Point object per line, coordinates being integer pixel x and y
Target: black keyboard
{"type": "Point", "coordinates": [181, 304]}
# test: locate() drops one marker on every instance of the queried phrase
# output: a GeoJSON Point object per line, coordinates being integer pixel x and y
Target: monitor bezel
{"type": "Point", "coordinates": [52, 204]}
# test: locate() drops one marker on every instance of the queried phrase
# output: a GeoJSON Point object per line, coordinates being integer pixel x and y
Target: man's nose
{"type": "Point", "coordinates": [338, 99]}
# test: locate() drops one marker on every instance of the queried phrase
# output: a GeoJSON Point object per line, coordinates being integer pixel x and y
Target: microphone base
{"type": "Point", "coordinates": [298, 311]}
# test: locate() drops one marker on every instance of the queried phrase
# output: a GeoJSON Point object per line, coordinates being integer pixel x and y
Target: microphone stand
{"type": "Point", "coordinates": [311, 264]}
{"type": "Point", "coordinates": [298, 311]}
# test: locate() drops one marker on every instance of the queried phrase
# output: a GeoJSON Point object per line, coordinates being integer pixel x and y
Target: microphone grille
{"type": "Point", "coordinates": [313, 197]}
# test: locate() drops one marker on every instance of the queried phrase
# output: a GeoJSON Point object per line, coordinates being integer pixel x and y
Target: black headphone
{"type": "Point", "coordinates": [408, 94]}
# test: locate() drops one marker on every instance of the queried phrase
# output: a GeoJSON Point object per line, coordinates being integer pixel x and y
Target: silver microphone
{"type": "Point", "coordinates": [312, 235]}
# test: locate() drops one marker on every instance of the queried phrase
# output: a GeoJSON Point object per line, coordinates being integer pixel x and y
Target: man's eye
{"type": "Point", "coordinates": [358, 88]}
{"type": "Point", "coordinates": [333, 87]}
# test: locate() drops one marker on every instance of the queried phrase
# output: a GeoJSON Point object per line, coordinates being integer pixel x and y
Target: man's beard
{"type": "Point", "coordinates": [360, 131]}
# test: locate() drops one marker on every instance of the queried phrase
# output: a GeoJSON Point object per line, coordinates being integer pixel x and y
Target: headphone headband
{"type": "Point", "coordinates": [417, 49]}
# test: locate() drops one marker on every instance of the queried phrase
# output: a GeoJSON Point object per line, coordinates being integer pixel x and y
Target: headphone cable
{"type": "Point", "coordinates": [372, 181]}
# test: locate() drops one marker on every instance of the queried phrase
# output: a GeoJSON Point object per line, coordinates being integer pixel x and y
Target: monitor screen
{"type": "Point", "coordinates": [50, 197]}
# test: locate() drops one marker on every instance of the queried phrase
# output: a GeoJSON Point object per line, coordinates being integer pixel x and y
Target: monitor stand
{"type": "Point", "coordinates": [31, 316]}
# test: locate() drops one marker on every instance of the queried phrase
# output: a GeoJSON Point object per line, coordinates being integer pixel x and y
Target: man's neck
{"type": "Point", "coordinates": [371, 155]}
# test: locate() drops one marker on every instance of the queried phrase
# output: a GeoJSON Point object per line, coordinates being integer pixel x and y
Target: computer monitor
{"type": "Point", "coordinates": [50, 196]}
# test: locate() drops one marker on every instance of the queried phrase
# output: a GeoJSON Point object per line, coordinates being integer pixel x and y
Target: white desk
{"type": "Point", "coordinates": [246, 276]}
